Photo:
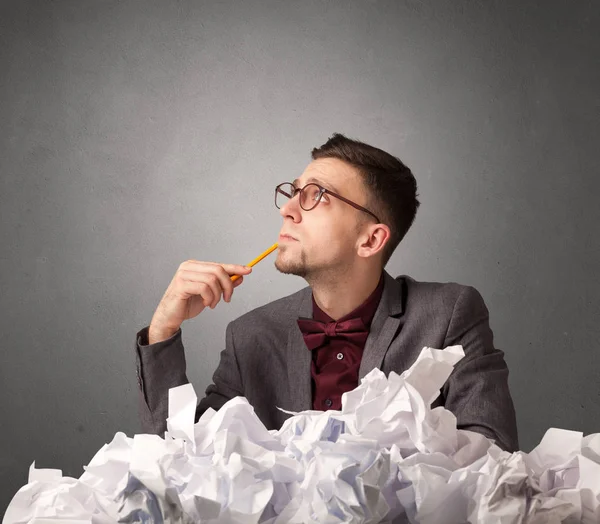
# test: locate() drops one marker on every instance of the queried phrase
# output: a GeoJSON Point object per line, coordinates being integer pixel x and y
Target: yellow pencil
{"type": "Point", "coordinates": [258, 259]}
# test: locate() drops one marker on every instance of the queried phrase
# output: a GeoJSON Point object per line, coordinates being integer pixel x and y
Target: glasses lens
{"type": "Point", "coordinates": [311, 194]}
{"type": "Point", "coordinates": [283, 192]}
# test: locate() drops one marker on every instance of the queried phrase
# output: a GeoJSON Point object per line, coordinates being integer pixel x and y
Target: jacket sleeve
{"type": "Point", "coordinates": [477, 390]}
{"type": "Point", "coordinates": [162, 366]}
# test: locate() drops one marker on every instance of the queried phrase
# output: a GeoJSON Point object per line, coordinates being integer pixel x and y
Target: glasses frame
{"type": "Point", "coordinates": [322, 191]}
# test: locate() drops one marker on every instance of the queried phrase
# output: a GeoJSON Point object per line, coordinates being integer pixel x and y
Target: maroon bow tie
{"type": "Point", "coordinates": [316, 333]}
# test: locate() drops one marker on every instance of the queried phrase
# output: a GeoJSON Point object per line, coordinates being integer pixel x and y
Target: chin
{"type": "Point", "coordinates": [290, 267]}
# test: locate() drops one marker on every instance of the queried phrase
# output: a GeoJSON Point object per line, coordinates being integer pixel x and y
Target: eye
{"type": "Point", "coordinates": [323, 197]}
{"type": "Point", "coordinates": [316, 194]}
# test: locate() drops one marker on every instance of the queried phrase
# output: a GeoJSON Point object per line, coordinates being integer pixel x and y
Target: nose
{"type": "Point", "coordinates": [292, 209]}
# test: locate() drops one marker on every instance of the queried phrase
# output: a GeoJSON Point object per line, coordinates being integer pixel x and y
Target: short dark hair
{"type": "Point", "coordinates": [392, 186]}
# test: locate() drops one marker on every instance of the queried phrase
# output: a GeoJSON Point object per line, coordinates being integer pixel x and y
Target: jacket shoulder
{"type": "Point", "coordinates": [437, 296]}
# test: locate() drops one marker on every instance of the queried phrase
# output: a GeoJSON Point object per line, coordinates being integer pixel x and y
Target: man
{"type": "Point", "coordinates": [342, 220]}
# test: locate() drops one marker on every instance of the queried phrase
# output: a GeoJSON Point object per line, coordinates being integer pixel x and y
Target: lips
{"type": "Point", "coordinates": [286, 238]}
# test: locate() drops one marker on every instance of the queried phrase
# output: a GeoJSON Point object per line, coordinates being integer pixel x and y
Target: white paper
{"type": "Point", "coordinates": [182, 409]}
{"type": "Point", "coordinates": [386, 456]}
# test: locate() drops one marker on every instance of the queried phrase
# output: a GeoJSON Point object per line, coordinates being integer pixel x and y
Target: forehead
{"type": "Point", "coordinates": [332, 173]}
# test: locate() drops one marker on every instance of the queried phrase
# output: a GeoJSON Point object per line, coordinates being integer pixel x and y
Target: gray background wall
{"type": "Point", "coordinates": [135, 135]}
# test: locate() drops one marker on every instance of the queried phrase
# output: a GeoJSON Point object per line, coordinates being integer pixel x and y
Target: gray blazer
{"type": "Point", "coordinates": [266, 361]}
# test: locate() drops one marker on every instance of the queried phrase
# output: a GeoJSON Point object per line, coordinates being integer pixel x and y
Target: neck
{"type": "Point", "coordinates": [339, 294]}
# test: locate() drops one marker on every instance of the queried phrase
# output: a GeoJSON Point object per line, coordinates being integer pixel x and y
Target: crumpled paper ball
{"type": "Point", "coordinates": [385, 457]}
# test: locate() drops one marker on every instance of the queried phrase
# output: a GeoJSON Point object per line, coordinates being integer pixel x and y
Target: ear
{"type": "Point", "coordinates": [373, 240]}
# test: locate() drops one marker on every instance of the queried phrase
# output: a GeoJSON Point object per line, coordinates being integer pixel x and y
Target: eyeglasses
{"type": "Point", "coordinates": [310, 196]}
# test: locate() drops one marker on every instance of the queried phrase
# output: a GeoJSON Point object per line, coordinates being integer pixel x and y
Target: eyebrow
{"type": "Point", "coordinates": [326, 185]}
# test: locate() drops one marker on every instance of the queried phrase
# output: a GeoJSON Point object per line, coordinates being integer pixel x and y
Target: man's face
{"type": "Point", "coordinates": [325, 238]}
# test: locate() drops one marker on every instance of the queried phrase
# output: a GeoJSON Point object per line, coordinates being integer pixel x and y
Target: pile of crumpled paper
{"type": "Point", "coordinates": [385, 457]}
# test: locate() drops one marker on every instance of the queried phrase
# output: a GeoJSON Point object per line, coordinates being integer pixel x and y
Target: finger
{"type": "Point", "coordinates": [213, 281]}
{"type": "Point", "coordinates": [196, 283]}
{"type": "Point", "coordinates": [204, 265]}
{"type": "Point", "coordinates": [198, 265]}
{"type": "Point", "coordinates": [225, 286]}
{"type": "Point", "coordinates": [215, 296]}
{"type": "Point", "coordinates": [225, 282]}
{"type": "Point", "coordinates": [205, 291]}
{"type": "Point", "coordinates": [236, 269]}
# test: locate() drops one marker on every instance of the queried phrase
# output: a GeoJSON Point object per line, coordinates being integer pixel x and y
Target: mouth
{"type": "Point", "coordinates": [287, 238]}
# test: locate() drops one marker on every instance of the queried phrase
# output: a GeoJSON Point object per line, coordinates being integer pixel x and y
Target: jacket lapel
{"type": "Point", "coordinates": [299, 359]}
{"type": "Point", "coordinates": [384, 326]}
